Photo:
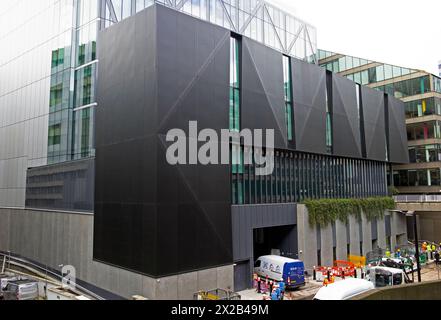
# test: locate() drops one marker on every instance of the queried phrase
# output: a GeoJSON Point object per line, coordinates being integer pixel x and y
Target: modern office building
{"type": "Point", "coordinates": [84, 176]}
{"type": "Point", "coordinates": [421, 93]}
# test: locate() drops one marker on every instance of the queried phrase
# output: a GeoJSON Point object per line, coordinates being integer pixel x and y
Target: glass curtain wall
{"type": "Point", "coordinates": [237, 166]}
{"type": "Point", "coordinates": [287, 80]}
{"type": "Point", "coordinates": [72, 94]}
{"type": "Point", "coordinates": [329, 132]}
{"type": "Point", "coordinates": [298, 176]}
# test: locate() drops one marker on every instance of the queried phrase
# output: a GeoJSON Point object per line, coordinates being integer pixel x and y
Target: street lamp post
{"type": "Point", "coordinates": [417, 249]}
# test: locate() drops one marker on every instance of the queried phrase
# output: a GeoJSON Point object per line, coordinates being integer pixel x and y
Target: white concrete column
{"type": "Point", "coordinates": [367, 235]}
{"type": "Point", "coordinates": [354, 232]}
{"type": "Point", "coordinates": [381, 227]}
{"type": "Point", "coordinates": [342, 241]}
{"type": "Point", "coordinates": [307, 238]}
{"type": "Point", "coordinates": [398, 228]}
{"type": "Point", "coordinates": [327, 246]}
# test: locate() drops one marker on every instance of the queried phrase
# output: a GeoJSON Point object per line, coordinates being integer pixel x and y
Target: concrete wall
{"type": "Point", "coordinates": [307, 238]}
{"type": "Point", "coordinates": [308, 245]}
{"type": "Point", "coordinates": [55, 238]}
{"type": "Point", "coordinates": [430, 226]}
{"type": "Point", "coordinates": [420, 291]}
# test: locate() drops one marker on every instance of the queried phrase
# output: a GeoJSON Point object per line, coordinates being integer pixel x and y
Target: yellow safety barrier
{"type": "Point", "coordinates": [358, 261]}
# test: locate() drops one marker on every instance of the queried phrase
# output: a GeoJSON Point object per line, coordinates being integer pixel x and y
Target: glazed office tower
{"type": "Point", "coordinates": [421, 93]}
{"type": "Point", "coordinates": [87, 173]}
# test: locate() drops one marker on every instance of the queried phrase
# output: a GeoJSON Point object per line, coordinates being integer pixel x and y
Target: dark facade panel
{"type": "Point", "coordinates": [398, 145]}
{"type": "Point", "coordinates": [193, 85]}
{"type": "Point", "coordinates": [309, 94]}
{"type": "Point", "coordinates": [67, 186]}
{"type": "Point", "coordinates": [262, 90]}
{"type": "Point", "coordinates": [374, 123]}
{"type": "Point", "coordinates": [346, 123]}
{"type": "Point", "coordinates": [247, 218]}
{"type": "Point", "coordinates": [152, 217]}
{"type": "Point", "coordinates": [125, 217]}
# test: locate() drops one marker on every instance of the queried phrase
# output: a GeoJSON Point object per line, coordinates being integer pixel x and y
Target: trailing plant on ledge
{"type": "Point", "coordinates": [326, 211]}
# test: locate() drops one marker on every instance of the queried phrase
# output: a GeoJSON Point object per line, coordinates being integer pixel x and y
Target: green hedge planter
{"type": "Point", "coordinates": [326, 211]}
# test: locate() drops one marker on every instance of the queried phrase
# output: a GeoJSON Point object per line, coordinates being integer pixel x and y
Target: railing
{"type": "Point", "coordinates": [9, 258]}
{"type": "Point", "coordinates": [418, 198]}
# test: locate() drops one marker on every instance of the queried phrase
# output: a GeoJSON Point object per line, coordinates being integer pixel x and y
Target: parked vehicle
{"type": "Point", "coordinates": [4, 279]}
{"type": "Point", "coordinates": [277, 268]}
{"type": "Point", "coordinates": [21, 290]}
{"type": "Point", "coordinates": [385, 277]}
{"type": "Point", "coordinates": [344, 290]}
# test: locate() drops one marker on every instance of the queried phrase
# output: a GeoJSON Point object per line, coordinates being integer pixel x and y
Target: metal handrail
{"type": "Point", "coordinates": [418, 198]}
{"type": "Point", "coordinates": [38, 268]}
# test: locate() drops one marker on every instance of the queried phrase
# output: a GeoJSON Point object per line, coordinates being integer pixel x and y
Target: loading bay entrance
{"type": "Point", "coordinates": [260, 230]}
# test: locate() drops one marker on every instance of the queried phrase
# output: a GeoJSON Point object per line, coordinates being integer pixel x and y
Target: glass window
{"type": "Point", "coordinates": [54, 135]}
{"type": "Point", "coordinates": [364, 77]}
{"type": "Point", "coordinates": [357, 93]}
{"type": "Point", "coordinates": [234, 84]}
{"type": "Point", "coordinates": [388, 74]}
{"type": "Point", "coordinates": [342, 64]}
{"type": "Point", "coordinates": [357, 77]}
{"type": "Point", "coordinates": [85, 85]}
{"type": "Point", "coordinates": [397, 279]}
{"type": "Point", "coordinates": [372, 75]}
{"type": "Point", "coordinates": [424, 131]}
{"type": "Point", "coordinates": [396, 71]}
{"type": "Point", "coordinates": [287, 79]}
{"type": "Point", "coordinates": [435, 177]}
{"type": "Point", "coordinates": [356, 62]}
{"type": "Point", "coordinates": [56, 95]}
{"type": "Point", "coordinates": [349, 62]}
{"type": "Point", "coordinates": [329, 133]}
{"type": "Point", "coordinates": [380, 73]}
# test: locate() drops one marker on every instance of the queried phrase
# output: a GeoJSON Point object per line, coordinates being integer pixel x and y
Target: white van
{"type": "Point", "coordinates": [344, 290]}
{"type": "Point", "coordinates": [277, 268]}
{"type": "Point", "coordinates": [385, 277]}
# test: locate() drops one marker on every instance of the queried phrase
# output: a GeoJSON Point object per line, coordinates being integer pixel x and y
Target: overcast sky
{"type": "Point", "coordinates": [401, 32]}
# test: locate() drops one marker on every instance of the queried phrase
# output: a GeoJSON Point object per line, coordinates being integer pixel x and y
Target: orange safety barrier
{"type": "Point", "coordinates": [341, 269]}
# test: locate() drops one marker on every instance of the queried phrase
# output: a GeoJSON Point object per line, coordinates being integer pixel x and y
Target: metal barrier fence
{"type": "Point", "coordinates": [9, 258]}
{"type": "Point", "coordinates": [217, 295]}
{"type": "Point", "coordinates": [418, 198]}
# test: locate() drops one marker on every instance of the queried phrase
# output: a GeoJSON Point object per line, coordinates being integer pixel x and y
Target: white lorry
{"type": "Point", "coordinates": [385, 277]}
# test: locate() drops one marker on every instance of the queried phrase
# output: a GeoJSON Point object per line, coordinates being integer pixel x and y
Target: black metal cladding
{"type": "Point", "coordinates": [263, 90]}
{"type": "Point", "coordinates": [374, 124]}
{"type": "Point", "coordinates": [161, 69]}
{"type": "Point", "coordinates": [309, 95]}
{"type": "Point", "coordinates": [345, 122]}
{"type": "Point", "coordinates": [398, 145]}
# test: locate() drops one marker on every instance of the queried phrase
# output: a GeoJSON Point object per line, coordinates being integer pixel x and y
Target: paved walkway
{"type": "Point", "coordinates": [310, 289]}
{"type": "Point", "coordinates": [431, 273]}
